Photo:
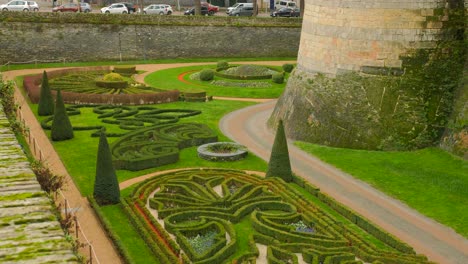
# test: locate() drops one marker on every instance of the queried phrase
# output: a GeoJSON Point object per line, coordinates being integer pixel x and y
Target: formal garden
{"type": "Point", "coordinates": [210, 210]}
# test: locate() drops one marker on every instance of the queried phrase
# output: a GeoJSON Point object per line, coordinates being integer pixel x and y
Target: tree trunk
{"type": "Point", "coordinates": [255, 8]}
{"type": "Point", "coordinates": [302, 6]}
{"type": "Point", "coordinates": [198, 7]}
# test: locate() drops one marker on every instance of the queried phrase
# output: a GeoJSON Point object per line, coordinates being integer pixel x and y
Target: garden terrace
{"type": "Point", "coordinates": [203, 209]}
{"type": "Point", "coordinates": [78, 86]}
{"type": "Point", "coordinates": [30, 230]}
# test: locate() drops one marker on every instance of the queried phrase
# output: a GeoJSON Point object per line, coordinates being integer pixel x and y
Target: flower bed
{"type": "Point", "coordinates": [77, 91]}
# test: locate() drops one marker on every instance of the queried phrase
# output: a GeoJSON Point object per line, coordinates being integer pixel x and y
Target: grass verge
{"type": "Point", "coordinates": [430, 180]}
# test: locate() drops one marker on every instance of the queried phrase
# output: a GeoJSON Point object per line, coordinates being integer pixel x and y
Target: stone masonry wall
{"type": "Point", "coordinates": [375, 74]}
{"type": "Point", "coordinates": [347, 35]}
{"type": "Point", "coordinates": [92, 42]}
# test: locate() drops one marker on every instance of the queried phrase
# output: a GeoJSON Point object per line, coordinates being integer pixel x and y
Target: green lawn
{"type": "Point", "coordinates": [168, 79]}
{"type": "Point", "coordinates": [135, 62]}
{"type": "Point", "coordinates": [429, 180]}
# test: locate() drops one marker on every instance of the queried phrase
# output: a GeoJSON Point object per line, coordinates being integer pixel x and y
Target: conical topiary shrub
{"type": "Point", "coordinates": [106, 186]}
{"type": "Point", "coordinates": [61, 127]}
{"type": "Point", "coordinates": [46, 101]}
{"type": "Point", "coordinates": [279, 165]}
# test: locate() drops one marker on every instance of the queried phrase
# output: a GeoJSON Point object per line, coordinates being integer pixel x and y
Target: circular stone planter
{"type": "Point", "coordinates": [213, 151]}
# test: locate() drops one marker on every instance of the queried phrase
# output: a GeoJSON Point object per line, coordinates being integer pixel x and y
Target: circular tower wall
{"type": "Point", "coordinates": [374, 74]}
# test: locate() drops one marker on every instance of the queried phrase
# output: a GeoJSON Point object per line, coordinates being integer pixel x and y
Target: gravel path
{"type": "Point", "coordinates": [440, 243]}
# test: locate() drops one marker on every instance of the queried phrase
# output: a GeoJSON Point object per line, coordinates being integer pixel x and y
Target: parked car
{"type": "Point", "coordinates": [16, 6]}
{"type": "Point", "coordinates": [281, 4]}
{"type": "Point", "coordinates": [229, 9]}
{"type": "Point", "coordinates": [245, 10]}
{"type": "Point", "coordinates": [212, 9]}
{"type": "Point", "coordinates": [69, 7]}
{"type": "Point", "coordinates": [158, 9]}
{"type": "Point", "coordinates": [286, 12]}
{"type": "Point", "coordinates": [117, 8]}
{"type": "Point", "coordinates": [191, 11]}
{"type": "Point", "coordinates": [85, 7]}
{"type": "Point", "coordinates": [131, 7]}
{"type": "Point", "coordinates": [33, 6]}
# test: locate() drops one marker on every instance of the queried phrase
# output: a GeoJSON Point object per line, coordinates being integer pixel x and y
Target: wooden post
{"type": "Point", "coordinates": [90, 254]}
{"type": "Point", "coordinates": [76, 226]}
{"type": "Point", "coordinates": [66, 208]}
{"type": "Point", "coordinates": [34, 145]}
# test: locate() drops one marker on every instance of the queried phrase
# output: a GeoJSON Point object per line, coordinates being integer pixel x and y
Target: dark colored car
{"type": "Point", "coordinates": [132, 8]}
{"type": "Point", "coordinates": [70, 7]}
{"type": "Point", "coordinates": [191, 11]}
{"type": "Point", "coordinates": [286, 12]}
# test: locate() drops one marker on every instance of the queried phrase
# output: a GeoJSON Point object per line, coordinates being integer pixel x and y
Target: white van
{"type": "Point", "coordinates": [238, 5]}
{"type": "Point", "coordinates": [245, 10]}
{"type": "Point", "coordinates": [280, 4]}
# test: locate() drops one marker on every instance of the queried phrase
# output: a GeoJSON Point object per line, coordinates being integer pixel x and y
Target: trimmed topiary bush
{"type": "Point", "coordinates": [287, 67]}
{"type": "Point", "coordinates": [222, 65]}
{"type": "Point", "coordinates": [277, 78]}
{"type": "Point", "coordinates": [106, 186]}
{"type": "Point", "coordinates": [126, 70]}
{"type": "Point", "coordinates": [279, 165]}
{"type": "Point", "coordinates": [207, 75]}
{"type": "Point", "coordinates": [61, 126]}
{"type": "Point", "coordinates": [113, 77]}
{"type": "Point", "coordinates": [46, 101]}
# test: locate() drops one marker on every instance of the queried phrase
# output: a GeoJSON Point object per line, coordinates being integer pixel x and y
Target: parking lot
{"type": "Point", "coordinates": [47, 5]}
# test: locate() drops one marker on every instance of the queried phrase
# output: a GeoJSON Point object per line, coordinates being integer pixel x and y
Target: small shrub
{"type": "Point", "coordinates": [49, 181]}
{"type": "Point", "coordinates": [106, 185]}
{"type": "Point", "coordinates": [277, 78]}
{"type": "Point", "coordinates": [46, 101]}
{"type": "Point", "coordinates": [113, 77]}
{"type": "Point", "coordinates": [279, 165]}
{"type": "Point", "coordinates": [61, 126]}
{"type": "Point", "coordinates": [207, 75]}
{"type": "Point", "coordinates": [222, 65]}
{"type": "Point", "coordinates": [288, 67]}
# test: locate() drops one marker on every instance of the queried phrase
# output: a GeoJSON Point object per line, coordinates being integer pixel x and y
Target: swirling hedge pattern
{"type": "Point", "coordinates": [126, 117]}
{"type": "Point", "coordinates": [201, 208]}
{"type": "Point", "coordinates": [158, 145]}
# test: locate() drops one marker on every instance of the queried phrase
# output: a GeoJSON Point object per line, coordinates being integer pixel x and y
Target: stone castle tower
{"type": "Point", "coordinates": [375, 74]}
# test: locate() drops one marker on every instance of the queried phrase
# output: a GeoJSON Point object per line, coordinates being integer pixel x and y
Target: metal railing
{"type": "Point", "coordinates": [35, 62]}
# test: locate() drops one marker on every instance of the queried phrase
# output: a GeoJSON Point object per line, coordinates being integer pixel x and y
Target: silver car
{"type": "Point", "coordinates": [16, 5]}
{"type": "Point", "coordinates": [158, 9]}
{"type": "Point", "coordinates": [33, 6]}
{"type": "Point", "coordinates": [85, 7]}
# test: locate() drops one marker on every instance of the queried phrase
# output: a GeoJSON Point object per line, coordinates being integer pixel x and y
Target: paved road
{"type": "Point", "coordinates": [440, 243]}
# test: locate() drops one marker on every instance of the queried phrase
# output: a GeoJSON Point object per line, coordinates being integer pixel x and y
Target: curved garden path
{"type": "Point", "coordinates": [441, 244]}
{"type": "Point", "coordinates": [248, 127]}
